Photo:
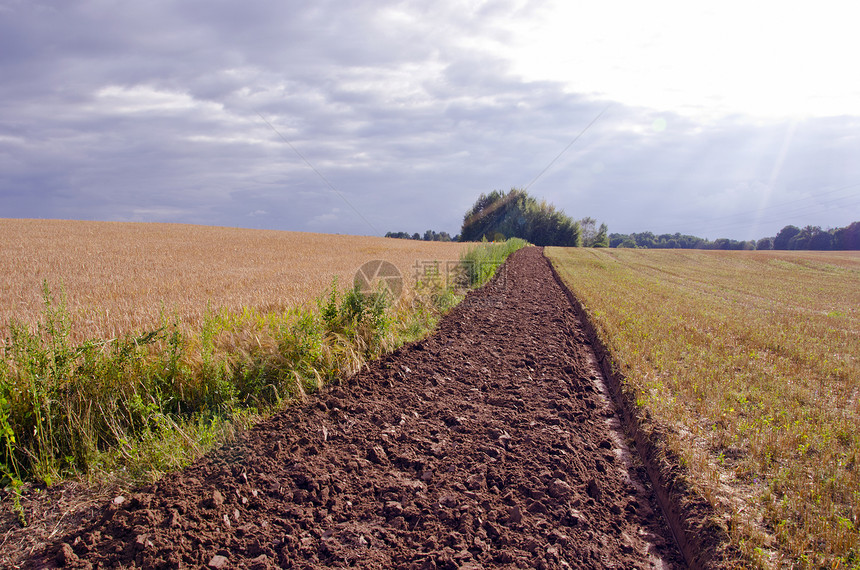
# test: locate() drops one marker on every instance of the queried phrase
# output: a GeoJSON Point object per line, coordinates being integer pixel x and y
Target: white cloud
{"type": "Point", "coordinates": [764, 58]}
{"type": "Point", "coordinates": [142, 98]}
{"type": "Point", "coordinates": [411, 110]}
{"type": "Point", "coordinates": [324, 219]}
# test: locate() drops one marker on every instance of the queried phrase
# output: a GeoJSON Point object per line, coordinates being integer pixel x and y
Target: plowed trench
{"type": "Point", "coordinates": [489, 444]}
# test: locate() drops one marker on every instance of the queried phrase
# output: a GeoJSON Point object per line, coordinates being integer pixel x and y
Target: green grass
{"type": "Point", "coordinates": [136, 407]}
{"type": "Point", "coordinates": [752, 360]}
{"type": "Point", "coordinates": [88, 408]}
{"type": "Point", "coordinates": [480, 262]}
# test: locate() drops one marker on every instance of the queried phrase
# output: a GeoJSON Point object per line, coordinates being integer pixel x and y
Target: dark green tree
{"type": "Point", "coordinates": [821, 240]}
{"type": "Point", "coordinates": [764, 243]}
{"type": "Point", "coordinates": [615, 240]}
{"type": "Point", "coordinates": [847, 238]}
{"type": "Point", "coordinates": [502, 215]}
{"type": "Point", "coordinates": [803, 238]}
{"type": "Point", "coordinates": [645, 239]}
{"type": "Point", "coordinates": [785, 235]}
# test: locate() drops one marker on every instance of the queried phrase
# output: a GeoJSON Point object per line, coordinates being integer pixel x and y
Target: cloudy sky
{"type": "Point", "coordinates": [727, 119]}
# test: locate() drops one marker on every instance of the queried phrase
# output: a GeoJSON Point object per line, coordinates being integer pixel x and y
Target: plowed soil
{"type": "Point", "coordinates": [488, 444]}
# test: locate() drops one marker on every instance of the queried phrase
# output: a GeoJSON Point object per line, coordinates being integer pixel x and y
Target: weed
{"type": "Point", "coordinates": [482, 261]}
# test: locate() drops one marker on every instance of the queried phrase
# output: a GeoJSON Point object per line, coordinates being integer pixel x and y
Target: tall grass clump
{"type": "Point", "coordinates": [146, 403]}
{"type": "Point", "coordinates": [480, 263]}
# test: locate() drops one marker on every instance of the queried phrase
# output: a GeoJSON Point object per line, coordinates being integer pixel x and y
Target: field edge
{"type": "Point", "coordinates": [699, 532]}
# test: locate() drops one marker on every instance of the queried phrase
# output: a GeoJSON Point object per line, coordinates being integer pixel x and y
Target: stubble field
{"type": "Point", "coordinates": [752, 362]}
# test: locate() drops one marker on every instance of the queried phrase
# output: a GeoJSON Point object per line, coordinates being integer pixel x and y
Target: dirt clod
{"type": "Point", "coordinates": [65, 555]}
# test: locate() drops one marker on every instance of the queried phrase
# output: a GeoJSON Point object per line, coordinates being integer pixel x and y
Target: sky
{"type": "Point", "coordinates": [729, 119]}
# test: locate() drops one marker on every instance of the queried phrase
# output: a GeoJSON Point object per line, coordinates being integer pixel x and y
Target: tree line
{"type": "Point", "coordinates": [813, 237]}
{"type": "Point", "coordinates": [429, 235]}
{"type": "Point", "coordinates": [647, 240]}
{"type": "Point", "coordinates": [788, 238]}
{"type": "Point", "coordinates": [500, 215]}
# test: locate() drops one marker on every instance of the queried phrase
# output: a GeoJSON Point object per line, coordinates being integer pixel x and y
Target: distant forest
{"type": "Point", "coordinates": [429, 235]}
{"type": "Point", "coordinates": [788, 238]}
{"type": "Point", "coordinates": [500, 215]}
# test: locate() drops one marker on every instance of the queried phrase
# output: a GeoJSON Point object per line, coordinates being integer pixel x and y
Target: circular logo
{"type": "Point", "coordinates": [377, 274]}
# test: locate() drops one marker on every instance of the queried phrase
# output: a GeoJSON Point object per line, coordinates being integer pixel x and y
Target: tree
{"type": "Point", "coordinates": [803, 238]}
{"type": "Point", "coordinates": [516, 214]}
{"type": "Point", "coordinates": [429, 235]}
{"type": "Point", "coordinates": [789, 237]}
{"type": "Point", "coordinates": [821, 240]}
{"type": "Point", "coordinates": [602, 237]}
{"type": "Point", "coordinates": [592, 236]}
{"type": "Point", "coordinates": [615, 240]}
{"type": "Point", "coordinates": [489, 213]}
{"type": "Point", "coordinates": [644, 239]}
{"type": "Point", "coordinates": [785, 235]}
{"type": "Point", "coordinates": [764, 243]}
{"type": "Point", "coordinates": [589, 231]}
{"type": "Point", "coordinates": [847, 238]}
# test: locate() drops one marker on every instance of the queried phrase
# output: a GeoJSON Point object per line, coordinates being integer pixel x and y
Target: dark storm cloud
{"type": "Point", "coordinates": [151, 112]}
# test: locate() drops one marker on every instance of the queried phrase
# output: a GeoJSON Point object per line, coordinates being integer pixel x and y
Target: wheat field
{"type": "Point", "coordinates": [121, 277]}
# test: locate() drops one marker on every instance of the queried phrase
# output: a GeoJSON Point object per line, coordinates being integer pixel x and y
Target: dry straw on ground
{"type": "Point", "coordinates": [123, 277]}
{"type": "Point", "coordinates": [752, 360]}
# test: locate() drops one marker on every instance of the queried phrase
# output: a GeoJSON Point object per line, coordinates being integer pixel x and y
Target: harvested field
{"type": "Point", "coordinates": [748, 363]}
{"type": "Point", "coordinates": [124, 277]}
{"type": "Point", "coordinates": [491, 443]}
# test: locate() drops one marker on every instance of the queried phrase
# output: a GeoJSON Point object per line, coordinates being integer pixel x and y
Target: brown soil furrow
{"type": "Point", "coordinates": [489, 444]}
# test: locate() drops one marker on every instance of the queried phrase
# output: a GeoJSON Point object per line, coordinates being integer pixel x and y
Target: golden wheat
{"type": "Point", "coordinates": [124, 277]}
